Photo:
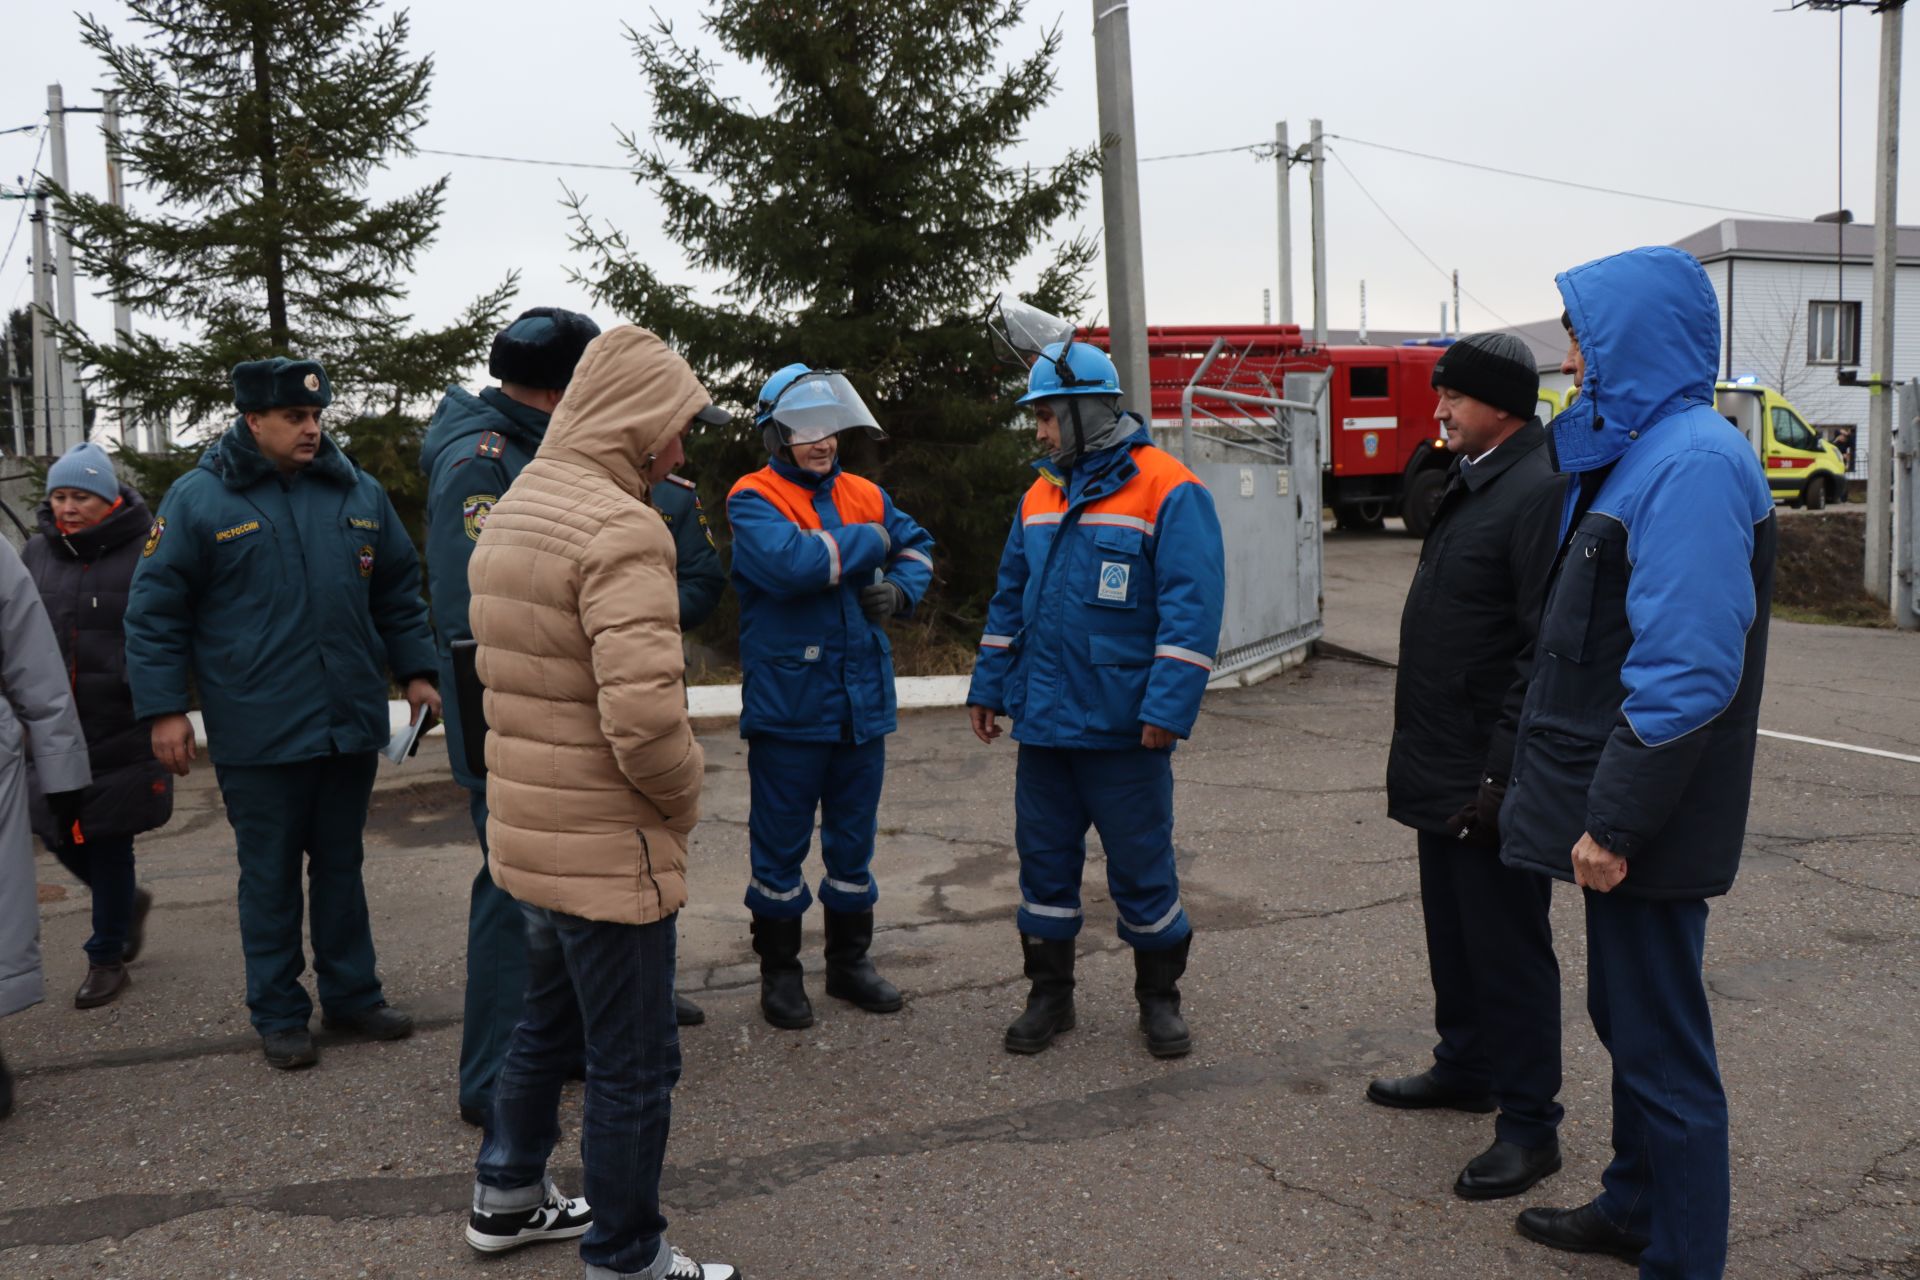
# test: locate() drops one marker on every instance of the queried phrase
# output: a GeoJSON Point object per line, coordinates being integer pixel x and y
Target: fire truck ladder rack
{"type": "Point", "coordinates": [1250, 433]}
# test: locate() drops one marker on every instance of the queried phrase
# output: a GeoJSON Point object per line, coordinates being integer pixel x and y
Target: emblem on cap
{"type": "Point", "coordinates": [313, 382]}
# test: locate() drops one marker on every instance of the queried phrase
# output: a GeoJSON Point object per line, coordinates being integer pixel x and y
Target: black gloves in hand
{"type": "Point", "coordinates": [66, 807]}
{"type": "Point", "coordinates": [881, 601]}
{"type": "Point", "coordinates": [1478, 824]}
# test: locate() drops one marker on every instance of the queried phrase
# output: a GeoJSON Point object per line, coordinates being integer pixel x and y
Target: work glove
{"type": "Point", "coordinates": [1478, 824]}
{"type": "Point", "coordinates": [881, 601]}
{"type": "Point", "coordinates": [66, 807]}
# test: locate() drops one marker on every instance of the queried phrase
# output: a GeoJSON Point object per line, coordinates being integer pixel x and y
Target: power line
{"type": "Point", "coordinates": [1266, 147]}
{"type": "Point", "coordinates": [552, 164]}
{"type": "Point", "coordinates": [7, 257]}
{"type": "Point", "coordinates": [1444, 273]}
{"type": "Point", "coordinates": [25, 128]}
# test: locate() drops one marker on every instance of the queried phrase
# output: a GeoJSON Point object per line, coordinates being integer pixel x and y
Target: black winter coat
{"type": "Point", "coordinates": [1467, 632]}
{"type": "Point", "coordinates": [83, 579]}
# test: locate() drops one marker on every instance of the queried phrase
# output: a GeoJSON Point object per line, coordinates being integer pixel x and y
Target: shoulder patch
{"type": "Point", "coordinates": [237, 531]}
{"type": "Point", "coordinates": [474, 510]}
{"type": "Point", "coordinates": [492, 445]}
{"type": "Point", "coordinates": [153, 536]}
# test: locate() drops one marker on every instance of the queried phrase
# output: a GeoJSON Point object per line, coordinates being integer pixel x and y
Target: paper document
{"type": "Point", "coordinates": [404, 741]}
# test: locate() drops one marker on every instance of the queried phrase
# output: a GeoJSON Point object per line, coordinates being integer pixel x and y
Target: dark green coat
{"type": "Point", "coordinates": [700, 577]}
{"type": "Point", "coordinates": [289, 600]}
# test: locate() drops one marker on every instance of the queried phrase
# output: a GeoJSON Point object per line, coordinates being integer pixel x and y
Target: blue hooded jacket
{"type": "Point", "coordinates": [288, 600]}
{"type": "Point", "coordinates": [1640, 722]}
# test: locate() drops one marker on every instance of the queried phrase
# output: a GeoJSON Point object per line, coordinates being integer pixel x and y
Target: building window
{"type": "Point", "coordinates": [1833, 333]}
{"type": "Point", "coordinates": [1368, 382]}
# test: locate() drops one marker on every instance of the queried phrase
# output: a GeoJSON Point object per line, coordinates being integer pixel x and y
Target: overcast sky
{"type": "Point", "coordinates": [1720, 102]}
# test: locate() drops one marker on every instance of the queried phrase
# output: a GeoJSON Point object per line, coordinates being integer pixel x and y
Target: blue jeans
{"type": "Point", "coordinates": [496, 975]}
{"type": "Point", "coordinates": [105, 865]}
{"type": "Point", "coordinates": [1128, 796]}
{"type": "Point", "coordinates": [616, 981]}
{"type": "Point", "coordinates": [283, 815]}
{"type": "Point", "coordinates": [1669, 1180]}
{"type": "Point", "coordinates": [789, 782]}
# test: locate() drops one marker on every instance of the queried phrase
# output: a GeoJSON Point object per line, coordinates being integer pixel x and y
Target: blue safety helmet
{"type": "Point", "coordinates": [1071, 369]}
{"type": "Point", "coordinates": [803, 405]}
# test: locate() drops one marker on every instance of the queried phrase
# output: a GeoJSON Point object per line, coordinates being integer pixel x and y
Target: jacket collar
{"type": "Point", "coordinates": [801, 476]}
{"type": "Point", "coordinates": [1478, 475]}
{"type": "Point", "coordinates": [525, 424]}
{"type": "Point", "coordinates": [1101, 473]}
{"type": "Point", "coordinates": [237, 460]}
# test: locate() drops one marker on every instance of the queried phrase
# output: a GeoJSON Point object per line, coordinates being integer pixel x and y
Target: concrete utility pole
{"type": "Point", "coordinates": [1283, 161]}
{"type": "Point", "coordinates": [45, 360]}
{"type": "Point", "coordinates": [1456, 302]}
{"type": "Point", "coordinates": [1879, 566]}
{"type": "Point", "coordinates": [1318, 175]}
{"type": "Point", "coordinates": [130, 433]}
{"type": "Point", "coordinates": [1363, 313]}
{"type": "Point", "coordinates": [1120, 201]}
{"type": "Point", "coordinates": [71, 420]}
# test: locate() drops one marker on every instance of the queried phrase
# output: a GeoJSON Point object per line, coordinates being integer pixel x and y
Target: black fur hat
{"type": "Point", "coordinates": [541, 348]}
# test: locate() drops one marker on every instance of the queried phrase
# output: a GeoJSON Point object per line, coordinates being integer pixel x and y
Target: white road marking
{"type": "Point", "coordinates": [1840, 746]}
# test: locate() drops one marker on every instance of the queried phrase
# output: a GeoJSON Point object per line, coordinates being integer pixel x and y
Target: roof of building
{"type": "Point", "coordinates": [1762, 238]}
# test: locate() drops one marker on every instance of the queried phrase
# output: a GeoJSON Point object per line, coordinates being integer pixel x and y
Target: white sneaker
{"type": "Point", "coordinates": [558, 1218]}
{"type": "Point", "coordinates": [685, 1268]}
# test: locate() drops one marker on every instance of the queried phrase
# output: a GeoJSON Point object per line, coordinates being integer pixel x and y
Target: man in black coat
{"type": "Point", "coordinates": [1466, 650]}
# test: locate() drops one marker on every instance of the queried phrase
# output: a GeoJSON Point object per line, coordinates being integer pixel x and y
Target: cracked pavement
{"type": "Point", "coordinates": [152, 1141]}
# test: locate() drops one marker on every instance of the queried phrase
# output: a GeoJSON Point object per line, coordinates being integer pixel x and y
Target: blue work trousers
{"type": "Point", "coordinates": [105, 865]}
{"type": "Point", "coordinates": [283, 815]}
{"type": "Point", "coordinates": [789, 782]}
{"type": "Point", "coordinates": [1496, 984]}
{"type": "Point", "coordinates": [496, 974]}
{"type": "Point", "coordinates": [1128, 797]}
{"type": "Point", "coordinates": [1669, 1180]}
{"type": "Point", "coordinates": [615, 983]}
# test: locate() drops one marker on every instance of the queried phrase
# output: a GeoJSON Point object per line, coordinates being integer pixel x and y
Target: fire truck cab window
{"type": "Point", "coordinates": [1367, 382]}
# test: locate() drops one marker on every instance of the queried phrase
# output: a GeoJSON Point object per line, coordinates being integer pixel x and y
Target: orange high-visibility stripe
{"type": "Point", "coordinates": [1135, 505]}
{"type": "Point", "coordinates": [858, 501]}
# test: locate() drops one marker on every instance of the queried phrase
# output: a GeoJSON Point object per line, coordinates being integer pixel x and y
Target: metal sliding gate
{"type": "Point", "coordinates": [1259, 453]}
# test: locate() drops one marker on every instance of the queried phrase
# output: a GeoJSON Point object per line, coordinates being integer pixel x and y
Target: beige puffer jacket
{"type": "Point", "coordinates": [593, 774]}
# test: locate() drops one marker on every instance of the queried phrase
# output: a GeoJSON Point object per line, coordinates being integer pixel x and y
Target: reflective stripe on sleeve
{"type": "Point", "coordinates": [833, 555]}
{"type": "Point", "coordinates": [1058, 913]}
{"type": "Point", "coordinates": [1158, 926]}
{"type": "Point", "coordinates": [996, 642]}
{"type": "Point", "coordinates": [908, 553]}
{"type": "Point", "coordinates": [1178, 654]}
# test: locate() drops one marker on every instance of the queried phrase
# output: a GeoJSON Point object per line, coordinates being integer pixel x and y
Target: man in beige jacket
{"type": "Point", "coordinates": [593, 784]}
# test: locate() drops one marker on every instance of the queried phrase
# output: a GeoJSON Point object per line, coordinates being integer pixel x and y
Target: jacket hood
{"type": "Point", "coordinates": [129, 520]}
{"type": "Point", "coordinates": [461, 415]}
{"type": "Point", "coordinates": [237, 460]}
{"type": "Point", "coordinates": [1649, 329]}
{"type": "Point", "coordinates": [630, 394]}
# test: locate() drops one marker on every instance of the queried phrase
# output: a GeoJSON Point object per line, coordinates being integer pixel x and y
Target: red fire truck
{"type": "Point", "coordinates": [1381, 452]}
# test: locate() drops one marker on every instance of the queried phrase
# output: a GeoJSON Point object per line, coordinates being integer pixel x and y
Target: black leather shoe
{"type": "Point", "coordinates": [289, 1050]}
{"type": "Point", "coordinates": [686, 1013]}
{"type": "Point", "coordinates": [381, 1022]}
{"type": "Point", "coordinates": [1506, 1169]}
{"type": "Point", "coordinates": [1423, 1092]}
{"type": "Point", "coordinates": [1582, 1230]}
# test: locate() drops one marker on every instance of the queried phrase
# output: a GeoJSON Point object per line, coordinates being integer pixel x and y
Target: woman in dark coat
{"type": "Point", "coordinates": [92, 529]}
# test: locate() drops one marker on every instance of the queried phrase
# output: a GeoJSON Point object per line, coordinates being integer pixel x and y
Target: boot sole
{"type": "Point", "coordinates": [292, 1062]}
{"type": "Point", "coordinates": [1625, 1254]}
{"type": "Point", "coordinates": [871, 1006]}
{"type": "Point", "coordinates": [1035, 1045]}
{"type": "Point", "coordinates": [1171, 1048]}
{"type": "Point", "coordinates": [786, 1024]}
{"type": "Point", "coordinates": [1469, 1191]}
{"type": "Point", "coordinates": [504, 1244]}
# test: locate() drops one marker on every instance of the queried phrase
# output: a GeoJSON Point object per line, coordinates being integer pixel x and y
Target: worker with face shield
{"type": "Point", "coordinates": [822, 561]}
{"type": "Point", "coordinates": [1099, 642]}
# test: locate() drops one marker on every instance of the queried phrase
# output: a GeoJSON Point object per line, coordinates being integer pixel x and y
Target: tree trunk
{"type": "Point", "coordinates": [280, 333]}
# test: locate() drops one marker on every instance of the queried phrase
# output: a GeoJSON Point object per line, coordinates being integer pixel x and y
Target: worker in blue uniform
{"type": "Point", "coordinates": [278, 581]}
{"type": "Point", "coordinates": [474, 447]}
{"type": "Point", "coordinates": [1099, 642]}
{"type": "Point", "coordinates": [822, 560]}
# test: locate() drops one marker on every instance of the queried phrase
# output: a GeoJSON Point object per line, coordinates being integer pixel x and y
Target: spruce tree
{"type": "Point", "coordinates": [253, 129]}
{"type": "Point", "coordinates": [862, 220]}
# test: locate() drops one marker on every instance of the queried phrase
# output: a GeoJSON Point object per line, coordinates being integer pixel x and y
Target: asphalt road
{"type": "Point", "coordinates": [152, 1141]}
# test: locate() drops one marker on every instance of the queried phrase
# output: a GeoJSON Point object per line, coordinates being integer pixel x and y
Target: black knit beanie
{"type": "Point", "coordinates": [1494, 368]}
{"type": "Point", "coordinates": [541, 348]}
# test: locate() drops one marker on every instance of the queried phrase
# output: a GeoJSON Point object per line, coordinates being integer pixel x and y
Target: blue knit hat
{"type": "Point", "coordinates": [85, 466]}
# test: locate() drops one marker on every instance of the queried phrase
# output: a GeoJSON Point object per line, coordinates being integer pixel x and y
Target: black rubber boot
{"type": "Point", "coordinates": [1156, 978]}
{"type": "Point", "coordinates": [1049, 964]}
{"type": "Point", "coordinates": [850, 972]}
{"type": "Point", "coordinates": [686, 1013]}
{"type": "Point", "coordinates": [783, 993]}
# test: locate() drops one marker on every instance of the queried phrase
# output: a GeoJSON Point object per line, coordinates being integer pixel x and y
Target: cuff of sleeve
{"type": "Point", "coordinates": [1623, 844]}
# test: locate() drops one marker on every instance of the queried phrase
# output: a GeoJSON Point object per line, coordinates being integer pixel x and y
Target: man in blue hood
{"type": "Point", "coordinates": [1635, 750]}
{"type": "Point", "coordinates": [474, 447]}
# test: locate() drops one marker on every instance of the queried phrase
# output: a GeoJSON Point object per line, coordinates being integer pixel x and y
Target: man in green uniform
{"type": "Point", "coordinates": [279, 578]}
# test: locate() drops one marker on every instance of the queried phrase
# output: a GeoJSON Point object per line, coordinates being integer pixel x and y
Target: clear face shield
{"type": "Point", "coordinates": [816, 406]}
{"type": "Point", "coordinates": [1021, 331]}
